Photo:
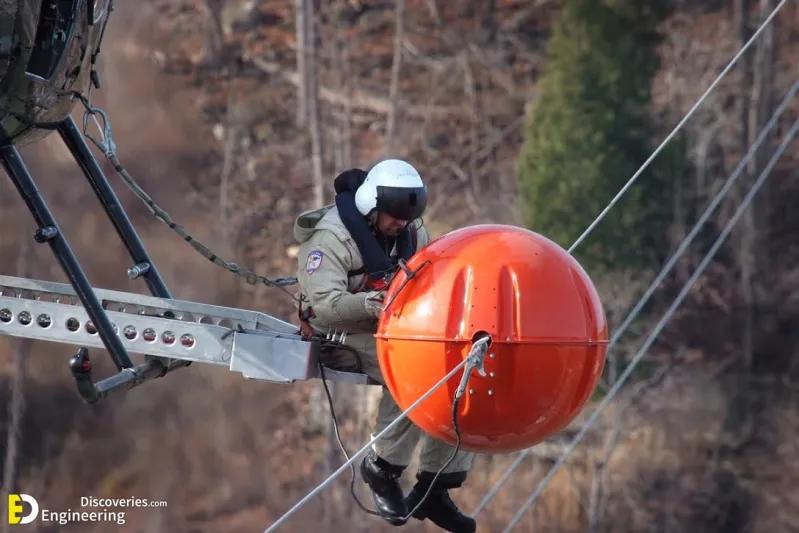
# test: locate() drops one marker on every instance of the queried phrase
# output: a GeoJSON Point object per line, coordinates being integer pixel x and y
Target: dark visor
{"type": "Point", "coordinates": [405, 203]}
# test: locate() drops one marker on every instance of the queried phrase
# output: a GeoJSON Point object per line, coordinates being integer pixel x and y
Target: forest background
{"type": "Point", "coordinates": [236, 115]}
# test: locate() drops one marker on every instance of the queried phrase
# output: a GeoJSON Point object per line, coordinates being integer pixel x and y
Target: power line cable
{"type": "Point", "coordinates": [659, 327]}
{"type": "Point", "coordinates": [321, 486]}
{"type": "Point", "coordinates": [579, 240]}
{"type": "Point", "coordinates": [679, 126]}
{"type": "Point", "coordinates": [668, 266]}
{"type": "Point", "coordinates": [337, 433]}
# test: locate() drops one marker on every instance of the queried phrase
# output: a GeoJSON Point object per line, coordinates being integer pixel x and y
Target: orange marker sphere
{"type": "Point", "coordinates": [548, 331]}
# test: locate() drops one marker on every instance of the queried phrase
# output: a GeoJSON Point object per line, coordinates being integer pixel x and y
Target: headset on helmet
{"type": "Point", "coordinates": [393, 187]}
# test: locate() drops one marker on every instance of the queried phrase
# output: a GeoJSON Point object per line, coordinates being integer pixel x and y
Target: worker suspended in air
{"type": "Point", "coordinates": [347, 254]}
{"type": "Point", "coordinates": [410, 314]}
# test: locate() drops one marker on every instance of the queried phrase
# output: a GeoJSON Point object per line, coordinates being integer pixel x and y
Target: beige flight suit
{"type": "Point", "coordinates": [327, 254]}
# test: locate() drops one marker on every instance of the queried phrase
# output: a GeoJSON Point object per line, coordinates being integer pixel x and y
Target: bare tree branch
{"type": "Point", "coordinates": [314, 126]}
{"type": "Point", "coordinates": [358, 99]}
{"type": "Point", "coordinates": [396, 65]}
{"type": "Point", "coordinates": [302, 69]}
{"type": "Point", "coordinates": [16, 405]}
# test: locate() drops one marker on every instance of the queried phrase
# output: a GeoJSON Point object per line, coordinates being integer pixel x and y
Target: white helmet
{"type": "Point", "coordinates": [393, 187]}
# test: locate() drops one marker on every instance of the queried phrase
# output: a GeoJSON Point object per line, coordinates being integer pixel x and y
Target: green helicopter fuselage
{"type": "Point", "coordinates": [46, 58]}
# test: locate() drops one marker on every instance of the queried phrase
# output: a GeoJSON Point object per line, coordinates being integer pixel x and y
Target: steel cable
{"type": "Point", "coordinates": [668, 266]}
{"type": "Point", "coordinates": [660, 325]}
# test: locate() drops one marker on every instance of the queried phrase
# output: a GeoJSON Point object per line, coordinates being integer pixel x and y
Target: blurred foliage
{"type": "Point", "coordinates": [707, 447]}
{"type": "Point", "coordinates": [589, 130]}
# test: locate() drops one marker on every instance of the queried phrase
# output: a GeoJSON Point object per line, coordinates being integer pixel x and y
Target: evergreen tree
{"type": "Point", "coordinates": [588, 131]}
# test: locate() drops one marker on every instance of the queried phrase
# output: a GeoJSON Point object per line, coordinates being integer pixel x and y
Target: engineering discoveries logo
{"type": "Point", "coordinates": [19, 513]}
{"type": "Point", "coordinates": [16, 509]}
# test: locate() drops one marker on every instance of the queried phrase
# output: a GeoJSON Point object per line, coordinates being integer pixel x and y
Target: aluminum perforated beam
{"type": "Point", "coordinates": [255, 344]}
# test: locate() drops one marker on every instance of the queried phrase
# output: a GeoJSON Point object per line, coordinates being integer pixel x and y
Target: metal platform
{"type": "Point", "coordinates": [255, 344]}
{"type": "Point", "coordinates": [170, 334]}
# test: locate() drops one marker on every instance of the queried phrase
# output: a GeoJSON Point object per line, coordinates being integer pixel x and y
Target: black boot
{"type": "Point", "coordinates": [382, 476]}
{"type": "Point", "coordinates": [438, 506]}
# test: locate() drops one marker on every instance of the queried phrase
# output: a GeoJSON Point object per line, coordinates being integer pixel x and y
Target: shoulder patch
{"type": "Point", "coordinates": [314, 261]}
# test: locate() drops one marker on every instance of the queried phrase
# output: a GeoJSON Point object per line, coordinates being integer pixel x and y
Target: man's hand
{"type": "Point", "coordinates": [374, 302]}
